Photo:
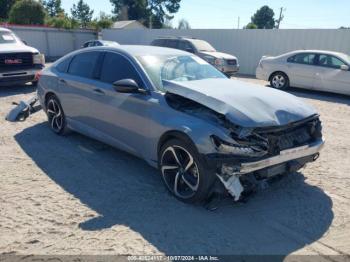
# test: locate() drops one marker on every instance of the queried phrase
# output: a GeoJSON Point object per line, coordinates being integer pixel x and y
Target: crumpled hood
{"type": "Point", "coordinates": [244, 104]}
{"type": "Point", "coordinates": [16, 47]}
{"type": "Point", "coordinates": [219, 55]}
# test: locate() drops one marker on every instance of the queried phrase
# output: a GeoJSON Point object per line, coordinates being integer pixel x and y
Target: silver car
{"type": "Point", "coordinates": [206, 133]}
{"type": "Point", "coordinates": [311, 69]}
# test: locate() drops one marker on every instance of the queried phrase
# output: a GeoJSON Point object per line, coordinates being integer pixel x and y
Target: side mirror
{"type": "Point", "coordinates": [127, 86]}
{"type": "Point", "coordinates": [344, 67]}
{"type": "Point", "coordinates": [190, 50]}
{"type": "Point", "coordinates": [24, 42]}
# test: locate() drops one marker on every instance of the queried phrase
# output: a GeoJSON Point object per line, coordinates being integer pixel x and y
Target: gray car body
{"type": "Point", "coordinates": [137, 123]}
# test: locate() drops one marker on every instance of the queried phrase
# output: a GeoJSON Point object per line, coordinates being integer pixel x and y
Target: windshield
{"type": "Point", "coordinates": [201, 45]}
{"type": "Point", "coordinates": [7, 38]}
{"type": "Point", "coordinates": [177, 68]}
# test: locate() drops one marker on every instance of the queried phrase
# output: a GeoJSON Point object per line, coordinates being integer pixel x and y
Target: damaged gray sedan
{"type": "Point", "coordinates": [205, 132]}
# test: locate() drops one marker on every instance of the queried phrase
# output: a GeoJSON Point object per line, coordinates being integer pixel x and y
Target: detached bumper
{"type": "Point", "coordinates": [244, 166]}
{"type": "Point", "coordinates": [284, 156]}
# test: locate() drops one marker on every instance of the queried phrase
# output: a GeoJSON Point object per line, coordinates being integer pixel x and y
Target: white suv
{"type": "Point", "coordinates": [19, 63]}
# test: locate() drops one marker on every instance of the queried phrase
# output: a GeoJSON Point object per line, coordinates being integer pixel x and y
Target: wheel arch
{"type": "Point", "coordinates": [171, 134]}
{"type": "Point", "coordinates": [278, 71]}
{"type": "Point", "coordinates": [47, 95]}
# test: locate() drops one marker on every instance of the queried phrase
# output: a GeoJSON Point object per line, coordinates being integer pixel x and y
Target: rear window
{"type": "Point", "coordinates": [84, 64]}
{"type": "Point", "coordinates": [7, 38]}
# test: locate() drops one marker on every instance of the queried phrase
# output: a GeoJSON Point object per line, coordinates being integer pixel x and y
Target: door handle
{"type": "Point", "coordinates": [98, 91]}
{"type": "Point", "coordinates": [62, 81]}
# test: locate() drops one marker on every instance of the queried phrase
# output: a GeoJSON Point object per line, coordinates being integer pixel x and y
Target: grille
{"type": "Point", "coordinates": [15, 61]}
{"type": "Point", "coordinates": [287, 139]}
{"type": "Point", "coordinates": [232, 62]}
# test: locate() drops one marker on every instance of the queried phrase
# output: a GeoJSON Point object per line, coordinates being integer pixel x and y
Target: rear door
{"type": "Point", "coordinates": [302, 69]}
{"type": "Point", "coordinates": [330, 77]}
{"type": "Point", "coordinates": [77, 87]}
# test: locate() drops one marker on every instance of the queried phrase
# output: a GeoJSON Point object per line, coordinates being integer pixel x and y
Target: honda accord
{"type": "Point", "coordinates": [205, 132]}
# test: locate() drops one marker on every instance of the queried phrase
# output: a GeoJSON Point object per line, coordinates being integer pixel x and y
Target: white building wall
{"type": "Point", "coordinates": [248, 45]}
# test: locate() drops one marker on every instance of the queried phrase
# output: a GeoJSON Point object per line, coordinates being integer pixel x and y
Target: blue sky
{"type": "Point", "coordinates": [225, 13]}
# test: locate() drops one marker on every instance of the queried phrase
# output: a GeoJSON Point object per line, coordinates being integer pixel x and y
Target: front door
{"type": "Point", "coordinates": [330, 77]}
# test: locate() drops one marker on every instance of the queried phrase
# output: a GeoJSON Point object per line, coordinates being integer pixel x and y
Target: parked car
{"type": "Point", "coordinates": [92, 43]}
{"type": "Point", "coordinates": [19, 63]}
{"type": "Point", "coordinates": [226, 63]}
{"type": "Point", "coordinates": [310, 69]}
{"type": "Point", "coordinates": [180, 114]}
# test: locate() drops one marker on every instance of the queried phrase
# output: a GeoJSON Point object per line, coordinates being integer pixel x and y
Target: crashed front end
{"type": "Point", "coordinates": [256, 153]}
{"type": "Point", "coordinates": [266, 152]}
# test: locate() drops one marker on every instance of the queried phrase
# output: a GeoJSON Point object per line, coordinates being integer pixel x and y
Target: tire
{"type": "Point", "coordinates": [279, 80]}
{"type": "Point", "coordinates": [190, 183]}
{"type": "Point", "coordinates": [55, 115]}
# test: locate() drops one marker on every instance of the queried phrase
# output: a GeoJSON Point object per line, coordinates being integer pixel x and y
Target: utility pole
{"type": "Point", "coordinates": [280, 18]}
{"type": "Point", "coordinates": [238, 22]}
{"type": "Point", "coordinates": [150, 22]}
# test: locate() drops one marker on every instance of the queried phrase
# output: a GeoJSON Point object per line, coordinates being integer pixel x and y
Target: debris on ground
{"type": "Point", "coordinates": [23, 110]}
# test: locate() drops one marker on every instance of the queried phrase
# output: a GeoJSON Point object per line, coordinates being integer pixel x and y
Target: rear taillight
{"type": "Point", "coordinates": [37, 75]}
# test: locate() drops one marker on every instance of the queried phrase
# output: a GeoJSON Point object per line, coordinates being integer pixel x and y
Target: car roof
{"type": "Point", "coordinates": [140, 50]}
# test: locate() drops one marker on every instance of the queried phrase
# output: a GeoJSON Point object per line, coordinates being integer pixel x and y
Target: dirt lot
{"type": "Point", "coordinates": [74, 195]}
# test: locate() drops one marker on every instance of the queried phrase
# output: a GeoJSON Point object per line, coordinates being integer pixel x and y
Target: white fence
{"type": "Point", "coordinates": [51, 41]}
{"type": "Point", "coordinates": [248, 45]}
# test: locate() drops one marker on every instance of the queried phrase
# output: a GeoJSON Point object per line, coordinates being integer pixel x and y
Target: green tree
{"type": "Point", "coordinates": [251, 26]}
{"type": "Point", "coordinates": [27, 12]}
{"type": "Point", "coordinates": [5, 7]}
{"type": "Point", "coordinates": [82, 13]}
{"type": "Point", "coordinates": [60, 21]}
{"type": "Point", "coordinates": [102, 22]}
{"type": "Point", "coordinates": [148, 12]}
{"type": "Point", "coordinates": [53, 7]}
{"type": "Point", "coordinates": [184, 24]}
{"type": "Point", "coordinates": [264, 18]}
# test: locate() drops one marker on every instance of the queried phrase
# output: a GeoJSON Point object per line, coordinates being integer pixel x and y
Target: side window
{"type": "Point", "coordinates": [172, 44]}
{"type": "Point", "coordinates": [116, 67]}
{"type": "Point", "coordinates": [63, 66]}
{"type": "Point", "coordinates": [84, 64]}
{"type": "Point", "coordinates": [186, 46]}
{"type": "Point", "coordinates": [303, 58]}
{"type": "Point", "coordinates": [330, 61]}
{"type": "Point", "coordinates": [158, 42]}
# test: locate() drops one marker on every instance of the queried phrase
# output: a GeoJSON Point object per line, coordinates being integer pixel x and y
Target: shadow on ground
{"type": "Point", "coordinates": [16, 90]}
{"type": "Point", "coordinates": [124, 190]}
{"type": "Point", "coordinates": [318, 95]}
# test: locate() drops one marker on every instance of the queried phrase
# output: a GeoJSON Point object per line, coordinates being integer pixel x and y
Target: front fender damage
{"type": "Point", "coordinates": [262, 152]}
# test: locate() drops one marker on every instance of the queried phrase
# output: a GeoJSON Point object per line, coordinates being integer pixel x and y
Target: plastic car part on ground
{"type": "Point", "coordinates": [23, 110]}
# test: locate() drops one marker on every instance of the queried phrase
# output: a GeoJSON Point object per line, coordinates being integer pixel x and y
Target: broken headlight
{"type": "Point", "coordinates": [247, 150]}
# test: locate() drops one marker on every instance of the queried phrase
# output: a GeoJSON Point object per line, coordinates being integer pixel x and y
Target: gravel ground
{"type": "Point", "coordinates": [74, 195]}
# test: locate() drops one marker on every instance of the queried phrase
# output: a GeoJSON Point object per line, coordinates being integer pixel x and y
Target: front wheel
{"type": "Point", "coordinates": [279, 80]}
{"type": "Point", "coordinates": [183, 171]}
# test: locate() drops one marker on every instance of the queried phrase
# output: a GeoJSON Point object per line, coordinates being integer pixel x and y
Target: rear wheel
{"type": "Point", "coordinates": [279, 80]}
{"type": "Point", "coordinates": [184, 172]}
{"type": "Point", "coordinates": [55, 115]}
